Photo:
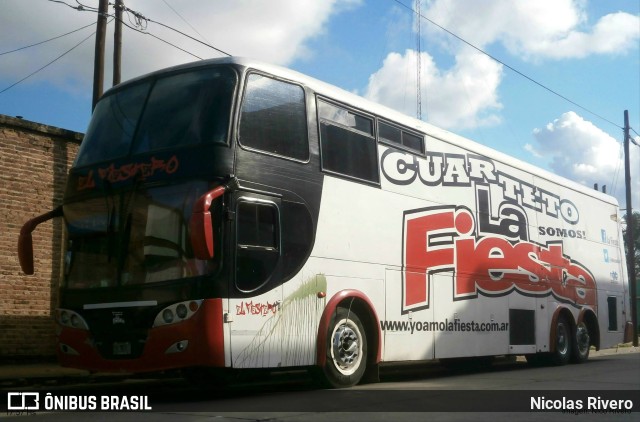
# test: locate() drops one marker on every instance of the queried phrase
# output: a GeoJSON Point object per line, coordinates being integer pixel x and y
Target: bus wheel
{"type": "Point", "coordinates": [581, 343]}
{"type": "Point", "coordinates": [563, 342]}
{"type": "Point", "coordinates": [346, 350]}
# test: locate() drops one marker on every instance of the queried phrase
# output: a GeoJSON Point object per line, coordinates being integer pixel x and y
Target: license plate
{"type": "Point", "coordinates": [122, 348]}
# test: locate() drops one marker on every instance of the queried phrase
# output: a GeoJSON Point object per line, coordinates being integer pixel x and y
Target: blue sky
{"type": "Point", "coordinates": [587, 51]}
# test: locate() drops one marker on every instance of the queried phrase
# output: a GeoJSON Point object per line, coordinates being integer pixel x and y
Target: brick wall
{"type": "Point", "coordinates": [34, 162]}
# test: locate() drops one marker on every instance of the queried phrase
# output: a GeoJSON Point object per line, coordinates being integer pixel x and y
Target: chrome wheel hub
{"type": "Point", "coordinates": [346, 348]}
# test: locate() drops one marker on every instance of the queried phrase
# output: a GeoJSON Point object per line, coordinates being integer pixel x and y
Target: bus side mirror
{"type": "Point", "coordinates": [25, 241]}
{"type": "Point", "coordinates": [201, 226]}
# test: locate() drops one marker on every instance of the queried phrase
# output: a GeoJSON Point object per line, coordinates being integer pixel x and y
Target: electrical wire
{"type": "Point", "coordinates": [633, 140]}
{"type": "Point", "coordinates": [142, 17]}
{"type": "Point", "coordinates": [48, 64]}
{"type": "Point", "coordinates": [90, 8]}
{"type": "Point", "coordinates": [508, 66]}
{"type": "Point", "coordinates": [189, 36]}
{"type": "Point", "coordinates": [144, 32]}
{"type": "Point", "coordinates": [66, 4]}
{"type": "Point", "coordinates": [141, 22]}
{"type": "Point", "coordinates": [46, 41]}
{"type": "Point", "coordinates": [80, 7]}
{"type": "Point", "coordinates": [185, 21]}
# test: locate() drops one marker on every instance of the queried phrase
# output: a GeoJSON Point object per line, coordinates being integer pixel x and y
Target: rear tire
{"type": "Point", "coordinates": [563, 340]}
{"type": "Point", "coordinates": [581, 343]}
{"type": "Point", "coordinates": [346, 353]}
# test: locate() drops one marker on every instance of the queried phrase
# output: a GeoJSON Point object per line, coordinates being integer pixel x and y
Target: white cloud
{"type": "Point", "coordinates": [532, 150]}
{"type": "Point", "coordinates": [580, 151]}
{"type": "Point", "coordinates": [462, 97]}
{"type": "Point", "coordinates": [538, 29]}
{"type": "Point", "coordinates": [465, 96]}
{"type": "Point", "coordinates": [274, 31]}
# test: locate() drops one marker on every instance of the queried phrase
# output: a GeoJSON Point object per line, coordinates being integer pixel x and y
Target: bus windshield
{"type": "Point", "coordinates": [134, 237]}
{"type": "Point", "coordinates": [171, 111]}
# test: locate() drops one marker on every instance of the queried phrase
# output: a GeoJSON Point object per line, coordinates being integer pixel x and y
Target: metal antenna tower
{"type": "Point", "coordinates": [418, 62]}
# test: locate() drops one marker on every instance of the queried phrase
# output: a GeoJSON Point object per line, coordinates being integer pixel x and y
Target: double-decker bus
{"type": "Point", "coordinates": [229, 214]}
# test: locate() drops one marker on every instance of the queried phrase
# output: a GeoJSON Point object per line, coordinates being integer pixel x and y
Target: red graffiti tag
{"type": "Point", "coordinates": [115, 174]}
{"type": "Point", "coordinates": [250, 308]}
{"type": "Point", "coordinates": [440, 239]}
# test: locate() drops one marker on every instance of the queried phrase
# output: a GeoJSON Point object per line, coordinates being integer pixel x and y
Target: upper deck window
{"type": "Point", "coordinates": [174, 110]}
{"type": "Point", "coordinates": [273, 118]}
{"type": "Point", "coordinates": [113, 125]}
{"type": "Point", "coordinates": [187, 109]}
{"type": "Point", "coordinates": [392, 134]}
{"type": "Point", "coordinates": [347, 142]}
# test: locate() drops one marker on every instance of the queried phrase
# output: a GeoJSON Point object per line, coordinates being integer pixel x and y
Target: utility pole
{"type": "Point", "coordinates": [631, 268]}
{"type": "Point", "coordinates": [117, 44]}
{"type": "Point", "coordinates": [98, 60]}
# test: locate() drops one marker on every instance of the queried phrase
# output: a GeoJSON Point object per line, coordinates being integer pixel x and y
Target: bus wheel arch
{"type": "Point", "coordinates": [355, 308]}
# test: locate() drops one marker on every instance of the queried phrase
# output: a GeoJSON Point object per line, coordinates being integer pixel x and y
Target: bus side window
{"type": "Point", "coordinates": [347, 143]}
{"type": "Point", "coordinates": [258, 244]}
{"type": "Point", "coordinates": [613, 313]}
{"type": "Point", "coordinates": [273, 118]}
{"type": "Point", "coordinates": [394, 135]}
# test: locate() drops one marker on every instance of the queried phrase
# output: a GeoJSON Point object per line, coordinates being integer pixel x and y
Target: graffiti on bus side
{"type": "Point", "coordinates": [256, 308]}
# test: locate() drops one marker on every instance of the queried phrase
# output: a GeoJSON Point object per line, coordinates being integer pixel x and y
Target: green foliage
{"type": "Point", "coordinates": [635, 221]}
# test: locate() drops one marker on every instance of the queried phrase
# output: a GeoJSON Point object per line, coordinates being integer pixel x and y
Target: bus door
{"type": "Point", "coordinates": [255, 297]}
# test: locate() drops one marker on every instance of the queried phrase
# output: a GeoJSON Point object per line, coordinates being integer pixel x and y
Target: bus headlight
{"type": "Point", "coordinates": [177, 312]}
{"type": "Point", "coordinates": [181, 311]}
{"type": "Point", "coordinates": [167, 316]}
{"type": "Point", "coordinates": [68, 318]}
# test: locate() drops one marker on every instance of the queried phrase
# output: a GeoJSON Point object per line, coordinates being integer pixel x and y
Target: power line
{"type": "Point", "coordinates": [144, 32]}
{"type": "Point", "coordinates": [45, 41]}
{"type": "Point", "coordinates": [142, 17]}
{"type": "Point", "coordinates": [138, 20]}
{"type": "Point", "coordinates": [508, 66]}
{"type": "Point", "coordinates": [141, 21]}
{"type": "Point", "coordinates": [634, 131]}
{"type": "Point", "coordinates": [189, 36]}
{"type": "Point", "coordinates": [80, 7]}
{"type": "Point", "coordinates": [185, 21]}
{"type": "Point", "coordinates": [48, 64]}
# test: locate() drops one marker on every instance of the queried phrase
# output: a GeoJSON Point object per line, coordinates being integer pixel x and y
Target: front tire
{"type": "Point", "coordinates": [346, 350]}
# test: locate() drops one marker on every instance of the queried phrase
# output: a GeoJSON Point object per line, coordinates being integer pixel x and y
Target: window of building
{"type": "Point", "coordinates": [273, 118]}
{"type": "Point", "coordinates": [347, 142]}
